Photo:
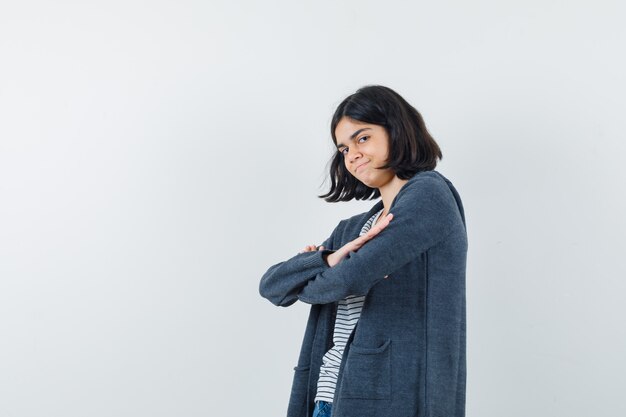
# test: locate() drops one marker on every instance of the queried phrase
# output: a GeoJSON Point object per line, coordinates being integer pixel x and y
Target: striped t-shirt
{"type": "Point", "coordinates": [348, 313]}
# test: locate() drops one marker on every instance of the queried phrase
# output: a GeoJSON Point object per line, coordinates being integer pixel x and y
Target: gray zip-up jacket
{"type": "Point", "coordinates": [406, 355]}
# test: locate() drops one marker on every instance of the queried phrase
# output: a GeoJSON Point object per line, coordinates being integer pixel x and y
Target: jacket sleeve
{"type": "Point", "coordinates": [424, 213]}
{"type": "Point", "coordinates": [282, 282]}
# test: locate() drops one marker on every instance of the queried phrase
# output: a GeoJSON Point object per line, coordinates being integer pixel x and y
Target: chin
{"type": "Point", "coordinates": [368, 183]}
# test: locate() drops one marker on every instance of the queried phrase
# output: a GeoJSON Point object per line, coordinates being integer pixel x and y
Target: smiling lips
{"type": "Point", "coordinates": [357, 168]}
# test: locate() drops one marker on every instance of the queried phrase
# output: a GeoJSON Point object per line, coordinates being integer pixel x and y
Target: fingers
{"type": "Point", "coordinates": [378, 227]}
{"type": "Point", "coordinates": [359, 241]}
{"type": "Point", "coordinates": [306, 249]}
{"type": "Point", "coordinates": [384, 222]}
{"type": "Point", "coordinates": [310, 248]}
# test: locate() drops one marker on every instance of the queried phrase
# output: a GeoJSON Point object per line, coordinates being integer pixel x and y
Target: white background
{"type": "Point", "coordinates": [156, 157]}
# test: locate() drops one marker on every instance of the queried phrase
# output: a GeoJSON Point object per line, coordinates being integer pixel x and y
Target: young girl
{"type": "Point", "coordinates": [386, 330]}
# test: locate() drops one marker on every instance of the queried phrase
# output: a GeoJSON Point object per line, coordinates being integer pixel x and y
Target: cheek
{"type": "Point", "coordinates": [385, 152]}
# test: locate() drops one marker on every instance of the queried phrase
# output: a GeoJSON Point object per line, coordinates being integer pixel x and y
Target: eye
{"type": "Point", "coordinates": [345, 150]}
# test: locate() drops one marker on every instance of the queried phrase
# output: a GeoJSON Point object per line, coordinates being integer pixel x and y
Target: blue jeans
{"type": "Point", "coordinates": [322, 409]}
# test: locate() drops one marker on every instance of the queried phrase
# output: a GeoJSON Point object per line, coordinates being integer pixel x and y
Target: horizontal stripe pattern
{"type": "Point", "coordinates": [348, 313]}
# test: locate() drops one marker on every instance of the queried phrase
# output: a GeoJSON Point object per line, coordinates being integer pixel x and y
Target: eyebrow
{"type": "Point", "coordinates": [352, 136]}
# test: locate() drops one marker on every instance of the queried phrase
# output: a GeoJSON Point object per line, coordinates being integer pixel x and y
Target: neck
{"type": "Point", "coordinates": [389, 191]}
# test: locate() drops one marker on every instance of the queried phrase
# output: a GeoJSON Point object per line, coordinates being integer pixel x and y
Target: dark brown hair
{"type": "Point", "coordinates": [411, 148]}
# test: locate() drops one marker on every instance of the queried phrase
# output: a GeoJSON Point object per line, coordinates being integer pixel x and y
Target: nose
{"type": "Point", "coordinates": [353, 155]}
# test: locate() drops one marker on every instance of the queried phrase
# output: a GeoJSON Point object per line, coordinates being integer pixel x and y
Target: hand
{"type": "Point", "coordinates": [336, 257]}
{"type": "Point", "coordinates": [310, 248]}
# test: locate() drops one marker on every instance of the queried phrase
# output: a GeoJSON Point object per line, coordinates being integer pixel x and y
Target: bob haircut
{"type": "Point", "coordinates": [411, 148]}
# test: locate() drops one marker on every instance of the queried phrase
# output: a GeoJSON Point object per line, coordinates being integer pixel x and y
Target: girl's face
{"type": "Point", "coordinates": [364, 146]}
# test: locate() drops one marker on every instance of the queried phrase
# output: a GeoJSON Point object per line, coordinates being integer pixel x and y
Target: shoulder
{"type": "Point", "coordinates": [428, 178]}
{"type": "Point", "coordinates": [426, 183]}
{"type": "Point", "coordinates": [428, 195]}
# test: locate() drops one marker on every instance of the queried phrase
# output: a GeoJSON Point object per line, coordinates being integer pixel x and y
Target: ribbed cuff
{"type": "Point", "coordinates": [317, 259]}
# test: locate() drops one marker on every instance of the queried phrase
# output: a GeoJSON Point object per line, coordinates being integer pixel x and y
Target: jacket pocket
{"type": "Point", "coordinates": [367, 372]}
{"type": "Point", "coordinates": [297, 400]}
